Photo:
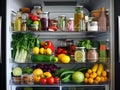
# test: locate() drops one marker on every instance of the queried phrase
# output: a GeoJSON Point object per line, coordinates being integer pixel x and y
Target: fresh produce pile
{"type": "Point", "coordinates": [52, 74]}
{"type": "Point", "coordinates": [75, 75]}
{"type": "Point", "coordinates": [97, 74]}
{"type": "Point", "coordinates": [37, 74]}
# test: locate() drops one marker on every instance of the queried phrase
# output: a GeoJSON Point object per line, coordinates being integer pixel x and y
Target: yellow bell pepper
{"type": "Point", "coordinates": [47, 74]}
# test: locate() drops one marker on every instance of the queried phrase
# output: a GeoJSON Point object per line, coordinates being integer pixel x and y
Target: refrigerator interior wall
{"type": "Point", "coordinates": [55, 11]}
{"type": "Point", "coordinates": [0, 39]}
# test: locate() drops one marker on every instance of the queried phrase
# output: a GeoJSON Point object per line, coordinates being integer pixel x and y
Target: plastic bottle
{"type": "Point", "coordinates": [102, 21]}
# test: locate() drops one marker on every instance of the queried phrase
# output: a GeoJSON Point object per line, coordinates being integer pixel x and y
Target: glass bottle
{"type": "Point", "coordinates": [92, 55]}
{"type": "Point", "coordinates": [102, 20]}
{"type": "Point", "coordinates": [18, 22]}
{"type": "Point", "coordinates": [79, 15]}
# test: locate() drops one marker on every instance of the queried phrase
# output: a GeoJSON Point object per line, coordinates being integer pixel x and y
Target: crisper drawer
{"type": "Point", "coordinates": [84, 88]}
{"type": "Point", "coordinates": [63, 88]}
{"type": "Point", "coordinates": [37, 88]}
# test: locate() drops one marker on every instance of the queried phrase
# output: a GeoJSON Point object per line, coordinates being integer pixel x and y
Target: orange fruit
{"type": "Point", "coordinates": [86, 80]}
{"type": "Point", "coordinates": [87, 75]}
{"type": "Point", "coordinates": [94, 74]}
{"type": "Point", "coordinates": [106, 79]}
{"type": "Point", "coordinates": [98, 79]}
{"type": "Point", "coordinates": [90, 80]}
{"type": "Point", "coordinates": [89, 71]}
{"type": "Point", "coordinates": [102, 79]}
{"type": "Point", "coordinates": [36, 50]}
{"type": "Point", "coordinates": [104, 73]}
{"type": "Point", "coordinates": [96, 82]}
{"type": "Point", "coordinates": [36, 79]}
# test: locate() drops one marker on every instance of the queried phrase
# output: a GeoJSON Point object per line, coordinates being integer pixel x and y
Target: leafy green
{"type": "Point", "coordinates": [21, 45]}
{"type": "Point", "coordinates": [27, 70]}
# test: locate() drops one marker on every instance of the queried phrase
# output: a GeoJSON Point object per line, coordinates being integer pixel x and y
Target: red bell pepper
{"type": "Point", "coordinates": [49, 44]}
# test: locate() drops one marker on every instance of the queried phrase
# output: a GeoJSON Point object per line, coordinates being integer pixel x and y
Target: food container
{"type": "Point", "coordinates": [27, 79]}
{"type": "Point", "coordinates": [16, 79]}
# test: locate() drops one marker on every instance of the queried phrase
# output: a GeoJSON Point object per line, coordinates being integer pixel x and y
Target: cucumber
{"type": "Point", "coordinates": [43, 58]}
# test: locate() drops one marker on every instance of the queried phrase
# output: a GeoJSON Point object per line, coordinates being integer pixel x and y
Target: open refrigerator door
{"type": "Point", "coordinates": [46, 51]}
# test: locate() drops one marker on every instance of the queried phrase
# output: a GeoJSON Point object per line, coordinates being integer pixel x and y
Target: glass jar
{"type": "Point", "coordinates": [92, 55]}
{"type": "Point", "coordinates": [79, 14]}
{"type": "Point", "coordinates": [80, 54]}
{"type": "Point", "coordinates": [44, 21]}
{"type": "Point", "coordinates": [62, 22]}
{"type": "Point", "coordinates": [37, 10]}
{"type": "Point", "coordinates": [70, 24]}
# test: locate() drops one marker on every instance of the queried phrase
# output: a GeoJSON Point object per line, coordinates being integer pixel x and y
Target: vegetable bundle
{"type": "Point", "coordinates": [21, 45]}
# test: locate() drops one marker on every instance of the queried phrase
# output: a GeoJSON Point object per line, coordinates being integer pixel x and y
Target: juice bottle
{"type": "Point", "coordinates": [77, 17]}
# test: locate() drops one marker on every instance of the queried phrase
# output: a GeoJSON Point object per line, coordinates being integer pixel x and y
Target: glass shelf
{"type": "Point", "coordinates": [65, 34]}
{"type": "Point", "coordinates": [60, 85]}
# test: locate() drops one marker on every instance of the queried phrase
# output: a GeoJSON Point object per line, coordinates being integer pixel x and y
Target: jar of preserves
{"type": "Point", "coordinates": [44, 21]}
{"type": "Point", "coordinates": [80, 54]}
{"type": "Point", "coordinates": [92, 55]}
{"type": "Point", "coordinates": [79, 14]}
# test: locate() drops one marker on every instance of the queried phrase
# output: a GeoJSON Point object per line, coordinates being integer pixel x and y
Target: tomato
{"type": "Point", "coordinates": [34, 18]}
{"type": "Point", "coordinates": [73, 47]}
{"type": "Point", "coordinates": [50, 80]}
{"type": "Point", "coordinates": [56, 80]}
{"type": "Point", "coordinates": [64, 51]}
{"type": "Point", "coordinates": [43, 81]}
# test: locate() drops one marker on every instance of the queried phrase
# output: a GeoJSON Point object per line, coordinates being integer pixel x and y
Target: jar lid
{"type": "Point", "coordinates": [71, 18]}
{"type": "Point", "coordinates": [79, 6]}
{"type": "Point", "coordinates": [37, 7]}
{"type": "Point", "coordinates": [80, 47]}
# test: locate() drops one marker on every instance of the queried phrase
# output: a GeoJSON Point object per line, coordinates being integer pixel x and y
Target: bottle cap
{"type": "Point", "coordinates": [102, 9]}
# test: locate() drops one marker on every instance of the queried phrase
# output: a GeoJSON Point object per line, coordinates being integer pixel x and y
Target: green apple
{"type": "Point", "coordinates": [78, 77]}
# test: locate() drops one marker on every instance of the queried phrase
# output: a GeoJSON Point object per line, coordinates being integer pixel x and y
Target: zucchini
{"type": "Point", "coordinates": [43, 58]}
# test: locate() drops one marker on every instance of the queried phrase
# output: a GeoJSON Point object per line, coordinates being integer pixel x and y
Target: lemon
{"type": "Point", "coordinates": [79, 56]}
{"type": "Point", "coordinates": [37, 72]}
{"type": "Point", "coordinates": [36, 50]}
{"type": "Point", "coordinates": [42, 50]}
{"type": "Point", "coordinates": [60, 55]}
{"type": "Point", "coordinates": [65, 59]}
{"type": "Point", "coordinates": [36, 22]}
{"type": "Point", "coordinates": [48, 51]}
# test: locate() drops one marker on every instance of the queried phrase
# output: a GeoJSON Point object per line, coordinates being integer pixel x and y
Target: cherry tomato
{"type": "Point", "coordinates": [50, 80]}
{"type": "Point", "coordinates": [43, 81]}
{"type": "Point", "coordinates": [56, 80]}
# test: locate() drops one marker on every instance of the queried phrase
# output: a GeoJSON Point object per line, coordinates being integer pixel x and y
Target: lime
{"type": "Point", "coordinates": [79, 56]}
{"type": "Point", "coordinates": [36, 22]}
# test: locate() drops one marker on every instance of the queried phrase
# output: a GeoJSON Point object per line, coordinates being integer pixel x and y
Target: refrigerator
{"type": "Point", "coordinates": [55, 9]}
